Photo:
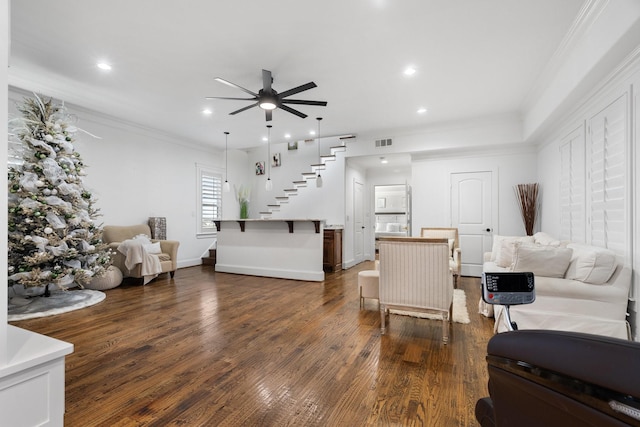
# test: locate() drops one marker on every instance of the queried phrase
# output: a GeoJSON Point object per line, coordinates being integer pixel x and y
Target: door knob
{"type": "Point", "coordinates": [488, 230]}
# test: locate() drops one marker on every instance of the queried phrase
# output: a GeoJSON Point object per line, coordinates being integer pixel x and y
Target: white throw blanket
{"type": "Point", "coordinates": [135, 253]}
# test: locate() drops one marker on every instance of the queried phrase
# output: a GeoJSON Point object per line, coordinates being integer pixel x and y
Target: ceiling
{"type": "Point", "coordinates": [472, 59]}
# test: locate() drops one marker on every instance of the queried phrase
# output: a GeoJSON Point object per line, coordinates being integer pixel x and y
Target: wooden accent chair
{"type": "Point", "coordinates": [415, 276]}
{"type": "Point", "coordinates": [455, 255]}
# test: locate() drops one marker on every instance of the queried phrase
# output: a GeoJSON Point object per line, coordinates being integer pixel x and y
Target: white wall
{"type": "Point", "coordinates": [4, 300]}
{"type": "Point", "coordinates": [431, 186]}
{"type": "Point", "coordinates": [136, 173]}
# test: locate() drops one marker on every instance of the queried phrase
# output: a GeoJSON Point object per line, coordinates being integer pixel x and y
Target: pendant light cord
{"type": "Point", "coordinates": [226, 157]}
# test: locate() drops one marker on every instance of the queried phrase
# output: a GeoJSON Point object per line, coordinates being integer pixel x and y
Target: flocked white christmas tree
{"type": "Point", "coordinates": [53, 237]}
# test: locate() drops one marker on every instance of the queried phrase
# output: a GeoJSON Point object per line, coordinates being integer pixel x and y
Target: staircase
{"type": "Point", "coordinates": [306, 177]}
{"type": "Point", "coordinates": [211, 259]}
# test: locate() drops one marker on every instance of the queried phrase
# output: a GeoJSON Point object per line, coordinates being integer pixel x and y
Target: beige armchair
{"type": "Point", "coordinates": [455, 255]}
{"type": "Point", "coordinates": [113, 235]}
{"type": "Point", "coordinates": [415, 276]}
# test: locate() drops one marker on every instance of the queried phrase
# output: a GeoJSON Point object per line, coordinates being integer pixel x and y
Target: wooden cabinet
{"type": "Point", "coordinates": [332, 250]}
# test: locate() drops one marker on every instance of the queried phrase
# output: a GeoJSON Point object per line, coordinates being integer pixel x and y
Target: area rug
{"type": "Point", "coordinates": [459, 315]}
{"type": "Point", "coordinates": [59, 302]}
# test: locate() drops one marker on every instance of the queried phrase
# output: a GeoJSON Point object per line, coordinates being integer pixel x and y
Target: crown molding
{"type": "Point", "coordinates": [588, 14]}
{"type": "Point", "coordinates": [90, 115]}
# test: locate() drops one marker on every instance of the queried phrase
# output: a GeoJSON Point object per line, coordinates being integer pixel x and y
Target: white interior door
{"type": "Point", "coordinates": [472, 212]}
{"type": "Point", "coordinates": [358, 222]}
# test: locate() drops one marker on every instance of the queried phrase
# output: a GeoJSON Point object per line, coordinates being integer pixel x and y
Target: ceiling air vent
{"type": "Point", "coordinates": [383, 142]}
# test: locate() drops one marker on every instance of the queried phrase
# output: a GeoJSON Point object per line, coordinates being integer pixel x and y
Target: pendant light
{"type": "Point", "coordinates": [226, 187]}
{"type": "Point", "coordinates": [269, 185]}
{"type": "Point", "coordinates": [319, 177]}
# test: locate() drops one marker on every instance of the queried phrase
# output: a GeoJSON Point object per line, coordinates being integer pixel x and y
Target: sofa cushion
{"type": "Point", "coordinates": [500, 242]}
{"type": "Point", "coordinates": [548, 261]}
{"type": "Point", "coordinates": [393, 227]}
{"type": "Point", "coordinates": [591, 264]}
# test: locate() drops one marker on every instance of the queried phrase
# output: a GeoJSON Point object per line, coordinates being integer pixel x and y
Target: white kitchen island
{"type": "Point", "coordinates": [284, 248]}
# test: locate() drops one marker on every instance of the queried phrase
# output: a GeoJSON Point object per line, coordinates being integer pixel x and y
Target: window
{"type": "Point", "coordinates": [608, 179]}
{"type": "Point", "coordinates": [572, 187]}
{"type": "Point", "coordinates": [209, 199]}
{"type": "Point", "coordinates": [594, 181]}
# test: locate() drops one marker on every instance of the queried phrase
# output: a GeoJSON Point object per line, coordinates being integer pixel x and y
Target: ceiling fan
{"type": "Point", "coordinates": [268, 99]}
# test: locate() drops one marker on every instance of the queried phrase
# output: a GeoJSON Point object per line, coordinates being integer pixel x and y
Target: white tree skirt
{"type": "Point", "coordinates": [21, 308]}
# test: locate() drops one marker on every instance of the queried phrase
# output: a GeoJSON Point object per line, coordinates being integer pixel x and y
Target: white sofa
{"type": "Point", "coordinates": [578, 288]}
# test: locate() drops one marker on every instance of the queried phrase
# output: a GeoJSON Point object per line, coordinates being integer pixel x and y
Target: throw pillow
{"type": "Point", "coordinates": [497, 244]}
{"type": "Point", "coordinates": [547, 261]}
{"type": "Point", "coordinates": [143, 238]}
{"type": "Point", "coordinates": [152, 248]}
{"type": "Point", "coordinates": [591, 264]}
{"type": "Point", "coordinates": [542, 238]}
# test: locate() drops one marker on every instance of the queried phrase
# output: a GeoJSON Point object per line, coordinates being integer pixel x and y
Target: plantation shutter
{"type": "Point", "coordinates": [607, 177]}
{"type": "Point", "coordinates": [210, 208]}
{"type": "Point", "coordinates": [572, 187]}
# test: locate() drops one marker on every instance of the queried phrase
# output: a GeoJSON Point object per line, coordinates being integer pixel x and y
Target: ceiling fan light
{"type": "Point", "coordinates": [267, 105]}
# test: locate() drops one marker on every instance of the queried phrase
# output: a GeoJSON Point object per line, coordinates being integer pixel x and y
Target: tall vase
{"type": "Point", "coordinates": [244, 209]}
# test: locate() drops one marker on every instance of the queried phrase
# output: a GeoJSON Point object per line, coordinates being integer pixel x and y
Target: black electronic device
{"type": "Point", "coordinates": [508, 288]}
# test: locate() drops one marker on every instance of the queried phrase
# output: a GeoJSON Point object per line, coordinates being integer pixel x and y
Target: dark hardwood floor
{"type": "Point", "coordinates": [215, 349]}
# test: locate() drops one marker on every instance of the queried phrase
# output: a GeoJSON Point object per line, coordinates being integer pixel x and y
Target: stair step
{"type": "Point", "coordinates": [338, 148]}
{"type": "Point", "coordinates": [290, 190]}
{"type": "Point", "coordinates": [282, 199]}
{"type": "Point", "coordinates": [300, 183]}
{"type": "Point", "coordinates": [265, 213]}
{"type": "Point", "coordinates": [328, 158]}
{"type": "Point", "coordinates": [320, 166]}
{"type": "Point", "coordinates": [273, 206]}
{"type": "Point", "coordinates": [207, 260]}
{"type": "Point", "coordinates": [309, 175]}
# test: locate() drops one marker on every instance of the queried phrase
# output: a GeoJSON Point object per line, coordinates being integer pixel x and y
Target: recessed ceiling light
{"type": "Point", "coordinates": [409, 71]}
{"type": "Point", "coordinates": [265, 139]}
{"type": "Point", "coordinates": [312, 132]}
{"type": "Point", "coordinates": [104, 66]}
{"type": "Point", "coordinates": [207, 112]}
{"type": "Point", "coordinates": [421, 110]}
{"type": "Point", "coordinates": [383, 160]}
{"type": "Point", "coordinates": [286, 135]}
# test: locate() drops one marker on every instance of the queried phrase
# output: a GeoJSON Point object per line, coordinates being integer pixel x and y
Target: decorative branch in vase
{"type": "Point", "coordinates": [243, 194]}
{"type": "Point", "coordinates": [527, 196]}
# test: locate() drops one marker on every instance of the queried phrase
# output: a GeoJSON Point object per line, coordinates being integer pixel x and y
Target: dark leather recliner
{"type": "Point", "coordinates": [554, 378]}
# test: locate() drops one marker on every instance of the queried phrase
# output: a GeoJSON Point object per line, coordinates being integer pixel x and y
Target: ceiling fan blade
{"type": "Point", "coordinates": [267, 79]}
{"type": "Point", "coordinates": [298, 89]}
{"type": "Point", "coordinates": [304, 102]}
{"type": "Point", "coordinates": [235, 99]}
{"type": "Point", "coordinates": [292, 111]}
{"type": "Point", "coordinates": [268, 114]}
{"type": "Point", "coordinates": [243, 109]}
{"type": "Point", "coordinates": [228, 83]}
